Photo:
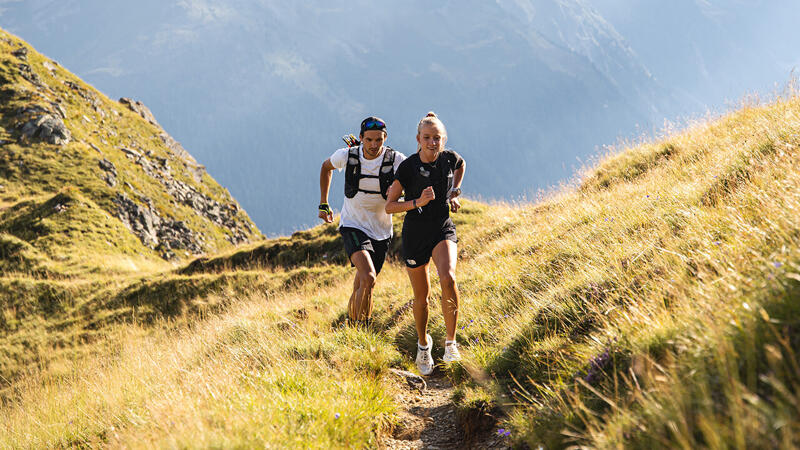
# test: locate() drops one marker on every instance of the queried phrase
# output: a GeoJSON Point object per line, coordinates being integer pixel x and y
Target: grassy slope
{"type": "Point", "coordinates": [36, 171]}
{"type": "Point", "coordinates": [654, 305]}
{"type": "Point", "coordinates": [68, 266]}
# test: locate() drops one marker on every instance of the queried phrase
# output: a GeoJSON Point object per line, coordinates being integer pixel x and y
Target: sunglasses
{"type": "Point", "coordinates": [374, 125]}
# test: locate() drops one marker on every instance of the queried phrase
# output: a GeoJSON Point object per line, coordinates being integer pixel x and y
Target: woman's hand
{"type": "Point", "coordinates": [426, 197]}
{"type": "Point", "coordinates": [454, 204]}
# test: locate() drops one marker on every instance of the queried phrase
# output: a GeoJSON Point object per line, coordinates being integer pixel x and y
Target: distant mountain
{"type": "Point", "coordinates": [262, 90]}
{"type": "Point", "coordinates": [712, 51]}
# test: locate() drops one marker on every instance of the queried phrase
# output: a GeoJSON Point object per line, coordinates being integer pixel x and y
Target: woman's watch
{"type": "Point", "coordinates": [455, 192]}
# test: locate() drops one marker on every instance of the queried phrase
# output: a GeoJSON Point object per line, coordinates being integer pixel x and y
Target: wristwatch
{"type": "Point", "coordinates": [455, 192]}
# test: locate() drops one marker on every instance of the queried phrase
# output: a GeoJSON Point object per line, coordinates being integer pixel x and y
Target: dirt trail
{"type": "Point", "coordinates": [428, 420]}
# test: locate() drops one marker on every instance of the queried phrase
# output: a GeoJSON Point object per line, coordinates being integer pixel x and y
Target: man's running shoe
{"type": "Point", "coordinates": [424, 357]}
{"type": "Point", "coordinates": [451, 353]}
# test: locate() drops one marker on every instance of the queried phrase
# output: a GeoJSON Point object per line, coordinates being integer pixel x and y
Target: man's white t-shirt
{"type": "Point", "coordinates": [366, 211]}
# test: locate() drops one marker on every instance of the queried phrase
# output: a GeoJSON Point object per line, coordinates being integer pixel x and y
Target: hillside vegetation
{"type": "Point", "coordinates": [654, 304]}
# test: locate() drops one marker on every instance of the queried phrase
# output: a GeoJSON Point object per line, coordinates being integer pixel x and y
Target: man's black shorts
{"type": "Point", "coordinates": [355, 240]}
{"type": "Point", "coordinates": [420, 237]}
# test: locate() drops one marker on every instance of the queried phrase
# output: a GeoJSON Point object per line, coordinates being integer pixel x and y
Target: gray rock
{"type": "Point", "coordinates": [48, 128]}
{"type": "Point", "coordinates": [27, 73]}
{"type": "Point", "coordinates": [89, 96]}
{"type": "Point", "coordinates": [59, 109]}
{"type": "Point", "coordinates": [21, 53]}
{"type": "Point", "coordinates": [49, 66]}
{"type": "Point", "coordinates": [130, 153]}
{"type": "Point", "coordinates": [139, 108]}
{"type": "Point", "coordinates": [413, 380]}
{"type": "Point", "coordinates": [110, 176]}
{"type": "Point", "coordinates": [177, 149]}
{"type": "Point", "coordinates": [153, 230]}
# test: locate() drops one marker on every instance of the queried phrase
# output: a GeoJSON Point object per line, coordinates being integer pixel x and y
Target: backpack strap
{"type": "Point", "coordinates": [386, 174]}
{"type": "Point", "coordinates": [353, 175]}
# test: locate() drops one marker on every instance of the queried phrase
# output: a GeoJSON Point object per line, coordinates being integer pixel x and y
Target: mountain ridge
{"type": "Point", "coordinates": [59, 132]}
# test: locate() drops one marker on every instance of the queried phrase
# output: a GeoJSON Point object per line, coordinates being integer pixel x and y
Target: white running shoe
{"type": "Point", "coordinates": [424, 357]}
{"type": "Point", "coordinates": [451, 353]}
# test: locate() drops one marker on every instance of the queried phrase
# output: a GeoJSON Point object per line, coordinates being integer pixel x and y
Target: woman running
{"type": "Point", "coordinates": [431, 179]}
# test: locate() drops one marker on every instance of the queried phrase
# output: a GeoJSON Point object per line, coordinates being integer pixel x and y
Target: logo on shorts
{"type": "Point", "coordinates": [411, 262]}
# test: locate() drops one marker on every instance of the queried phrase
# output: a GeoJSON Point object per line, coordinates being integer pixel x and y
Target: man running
{"type": "Point", "coordinates": [365, 226]}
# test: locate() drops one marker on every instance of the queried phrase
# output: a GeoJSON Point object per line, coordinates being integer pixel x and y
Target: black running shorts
{"type": "Point", "coordinates": [356, 240]}
{"type": "Point", "coordinates": [420, 237]}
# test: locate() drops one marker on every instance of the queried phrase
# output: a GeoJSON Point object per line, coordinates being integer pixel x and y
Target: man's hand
{"type": "Point", "coordinates": [454, 204]}
{"type": "Point", "coordinates": [426, 197]}
{"type": "Point", "coordinates": [325, 213]}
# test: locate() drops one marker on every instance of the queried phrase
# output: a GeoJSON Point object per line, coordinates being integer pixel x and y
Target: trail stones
{"type": "Point", "coordinates": [48, 128]}
{"type": "Point", "coordinates": [413, 380]}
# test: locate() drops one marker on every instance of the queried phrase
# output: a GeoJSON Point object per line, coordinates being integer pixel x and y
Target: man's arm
{"type": "Point", "coordinates": [325, 174]}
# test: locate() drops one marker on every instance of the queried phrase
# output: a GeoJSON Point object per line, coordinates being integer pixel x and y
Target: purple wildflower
{"type": "Point", "coordinates": [501, 431]}
{"type": "Point", "coordinates": [777, 264]}
{"type": "Point", "coordinates": [337, 415]}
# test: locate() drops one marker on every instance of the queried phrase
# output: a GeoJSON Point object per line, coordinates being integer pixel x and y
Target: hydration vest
{"type": "Point", "coordinates": [353, 176]}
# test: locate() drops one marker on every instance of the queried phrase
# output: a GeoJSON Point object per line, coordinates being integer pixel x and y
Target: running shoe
{"type": "Point", "coordinates": [424, 357]}
{"type": "Point", "coordinates": [451, 353]}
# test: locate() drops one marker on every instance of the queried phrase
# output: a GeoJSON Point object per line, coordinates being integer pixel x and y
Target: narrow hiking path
{"type": "Point", "coordinates": [428, 419]}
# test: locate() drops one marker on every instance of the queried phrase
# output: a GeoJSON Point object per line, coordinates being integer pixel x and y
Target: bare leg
{"type": "Point", "coordinates": [351, 305]}
{"type": "Point", "coordinates": [444, 256]}
{"type": "Point", "coordinates": [361, 301]}
{"type": "Point", "coordinates": [420, 283]}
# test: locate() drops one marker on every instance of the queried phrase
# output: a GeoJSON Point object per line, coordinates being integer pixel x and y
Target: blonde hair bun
{"type": "Point", "coordinates": [431, 114]}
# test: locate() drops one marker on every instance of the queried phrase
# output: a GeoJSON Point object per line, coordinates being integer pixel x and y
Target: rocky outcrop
{"type": "Point", "coordinates": [189, 162]}
{"type": "Point", "coordinates": [109, 172]}
{"type": "Point", "coordinates": [154, 231]}
{"type": "Point", "coordinates": [174, 146]}
{"type": "Point", "coordinates": [222, 215]}
{"type": "Point", "coordinates": [139, 108]}
{"type": "Point", "coordinates": [48, 128]}
{"type": "Point", "coordinates": [186, 194]}
{"type": "Point", "coordinates": [21, 53]}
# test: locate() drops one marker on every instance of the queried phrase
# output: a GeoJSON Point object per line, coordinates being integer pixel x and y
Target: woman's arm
{"type": "Point", "coordinates": [458, 175]}
{"type": "Point", "coordinates": [396, 190]}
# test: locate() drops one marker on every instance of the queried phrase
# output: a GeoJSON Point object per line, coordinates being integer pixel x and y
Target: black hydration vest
{"type": "Point", "coordinates": [353, 176]}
